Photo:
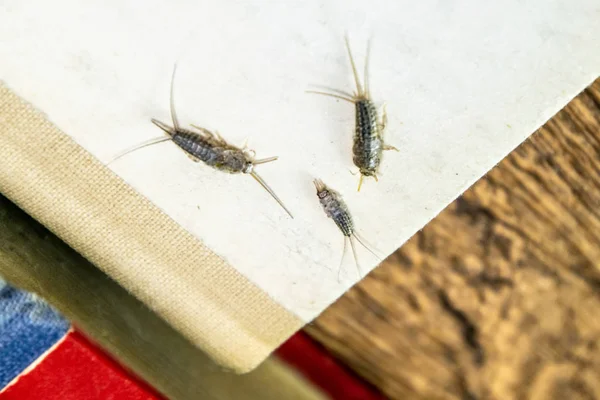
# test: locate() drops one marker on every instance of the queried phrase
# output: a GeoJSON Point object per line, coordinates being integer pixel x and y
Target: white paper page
{"type": "Point", "coordinates": [464, 82]}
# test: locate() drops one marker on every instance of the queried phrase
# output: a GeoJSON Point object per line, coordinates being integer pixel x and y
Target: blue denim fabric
{"type": "Point", "coordinates": [28, 327]}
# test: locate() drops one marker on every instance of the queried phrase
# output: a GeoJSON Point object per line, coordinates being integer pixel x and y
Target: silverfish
{"type": "Point", "coordinates": [210, 148]}
{"type": "Point", "coordinates": [336, 209]}
{"type": "Point", "coordinates": [368, 133]}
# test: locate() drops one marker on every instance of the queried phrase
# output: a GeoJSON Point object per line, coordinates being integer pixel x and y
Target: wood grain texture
{"type": "Point", "coordinates": [499, 296]}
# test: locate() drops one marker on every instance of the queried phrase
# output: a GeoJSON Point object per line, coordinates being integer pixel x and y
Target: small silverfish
{"type": "Point", "coordinates": [208, 147]}
{"type": "Point", "coordinates": [368, 133]}
{"type": "Point", "coordinates": [336, 209]}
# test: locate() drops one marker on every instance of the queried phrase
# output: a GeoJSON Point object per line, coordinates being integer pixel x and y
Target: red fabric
{"type": "Point", "coordinates": [317, 365]}
{"type": "Point", "coordinates": [77, 370]}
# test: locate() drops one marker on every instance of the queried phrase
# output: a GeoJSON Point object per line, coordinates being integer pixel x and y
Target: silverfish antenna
{"type": "Point", "coordinates": [358, 269]}
{"type": "Point", "coordinates": [271, 192]}
{"type": "Point", "coordinates": [265, 160]}
{"type": "Point", "coordinates": [343, 256]}
{"type": "Point", "coordinates": [369, 247]}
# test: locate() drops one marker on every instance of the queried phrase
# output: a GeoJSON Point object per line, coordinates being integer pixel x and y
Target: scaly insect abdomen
{"type": "Point", "coordinates": [339, 213]}
{"type": "Point", "coordinates": [202, 149]}
{"type": "Point", "coordinates": [368, 144]}
{"type": "Point", "coordinates": [193, 144]}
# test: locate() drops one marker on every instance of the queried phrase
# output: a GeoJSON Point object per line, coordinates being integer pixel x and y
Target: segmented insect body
{"type": "Point", "coordinates": [368, 134]}
{"type": "Point", "coordinates": [368, 143]}
{"type": "Point", "coordinates": [336, 209]}
{"type": "Point", "coordinates": [210, 148]}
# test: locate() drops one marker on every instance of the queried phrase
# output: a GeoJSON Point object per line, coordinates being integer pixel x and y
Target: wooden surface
{"type": "Point", "coordinates": [499, 296]}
